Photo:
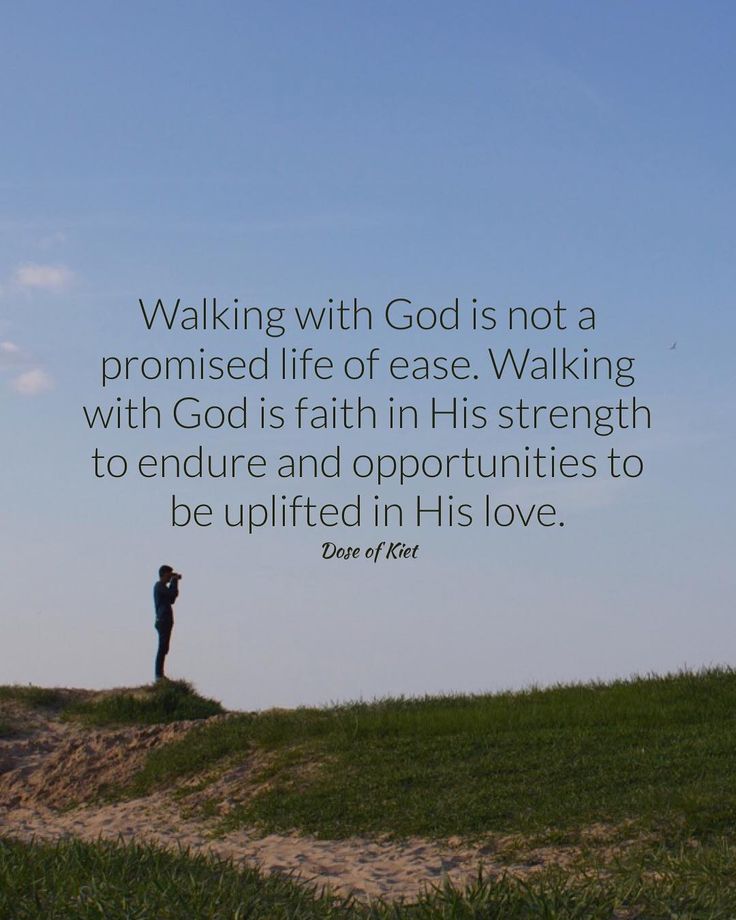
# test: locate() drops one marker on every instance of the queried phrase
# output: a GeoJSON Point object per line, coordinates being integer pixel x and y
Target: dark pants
{"type": "Point", "coordinates": [163, 627]}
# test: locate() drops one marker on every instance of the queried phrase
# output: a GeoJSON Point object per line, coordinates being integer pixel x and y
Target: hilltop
{"type": "Point", "coordinates": [382, 799]}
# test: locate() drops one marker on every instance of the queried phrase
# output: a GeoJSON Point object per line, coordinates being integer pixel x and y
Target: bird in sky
{"type": "Point", "coordinates": [673, 346]}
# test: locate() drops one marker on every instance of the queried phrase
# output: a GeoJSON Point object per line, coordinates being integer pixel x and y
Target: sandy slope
{"type": "Point", "coordinates": [50, 765]}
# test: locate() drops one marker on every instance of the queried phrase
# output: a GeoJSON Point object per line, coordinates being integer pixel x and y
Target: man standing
{"type": "Point", "coordinates": [165, 592]}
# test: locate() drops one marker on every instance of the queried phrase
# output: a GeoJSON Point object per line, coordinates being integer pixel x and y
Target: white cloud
{"type": "Point", "coordinates": [46, 277]}
{"type": "Point", "coordinates": [33, 382]}
{"type": "Point", "coordinates": [10, 354]}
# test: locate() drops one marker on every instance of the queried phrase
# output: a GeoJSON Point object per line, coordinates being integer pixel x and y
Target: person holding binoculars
{"type": "Point", "coordinates": [165, 593]}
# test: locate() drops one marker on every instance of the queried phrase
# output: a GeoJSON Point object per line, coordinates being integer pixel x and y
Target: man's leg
{"type": "Point", "coordinates": [164, 637]}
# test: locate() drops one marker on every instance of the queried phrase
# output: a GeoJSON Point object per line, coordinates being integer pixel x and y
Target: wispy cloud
{"type": "Point", "coordinates": [44, 277]}
{"type": "Point", "coordinates": [10, 354]}
{"type": "Point", "coordinates": [29, 379]}
{"type": "Point", "coordinates": [23, 374]}
{"type": "Point", "coordinates": [33, 382]}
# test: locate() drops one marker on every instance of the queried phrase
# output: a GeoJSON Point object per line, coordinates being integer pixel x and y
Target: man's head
{"type": "Point", "coordinates": [165, 572]}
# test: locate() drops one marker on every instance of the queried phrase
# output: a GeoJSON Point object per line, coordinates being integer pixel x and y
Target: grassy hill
{"type": "Point", "coordinates": [633, 780]}
{"type": "Point", "coordinates": [656, 754]}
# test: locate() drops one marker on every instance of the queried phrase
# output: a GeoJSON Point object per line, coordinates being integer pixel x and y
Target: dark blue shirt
{"type": "Point", "coordinates": [163, 598]}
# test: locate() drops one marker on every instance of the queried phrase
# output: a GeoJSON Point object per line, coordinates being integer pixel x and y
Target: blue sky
{"type": "Point", "coordinates": [287, 153]}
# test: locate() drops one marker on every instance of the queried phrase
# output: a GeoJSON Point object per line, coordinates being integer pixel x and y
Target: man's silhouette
{"type": "Point", "coordinates": [165, 592]}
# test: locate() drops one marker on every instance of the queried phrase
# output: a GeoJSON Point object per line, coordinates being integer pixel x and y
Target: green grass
{"type": "Point", "coordinates": [650, 760]}
{"type": "Point", "coordinates": [168, 701]}
{"type": "Point", "coordinates": [34, 697]}
{"type": "Point", "coordinates": [71, 879]}
{"type": "Point", "coordinates": [658, 751]}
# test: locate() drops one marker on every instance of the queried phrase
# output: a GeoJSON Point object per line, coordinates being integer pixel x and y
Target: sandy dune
{"type": "Point", "coordinates": [51, 765]}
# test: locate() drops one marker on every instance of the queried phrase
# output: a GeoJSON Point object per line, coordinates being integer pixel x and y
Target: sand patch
{"type": "Point", "coordinates": [59, 763]}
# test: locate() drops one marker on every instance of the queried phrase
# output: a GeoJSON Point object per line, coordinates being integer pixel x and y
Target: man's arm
{"type": "Point", "coordinates": [165, 594]}
{"type": "Point", "coordinates": [172, 591]}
